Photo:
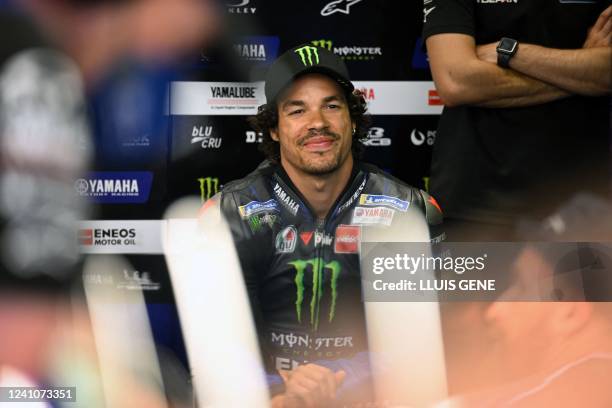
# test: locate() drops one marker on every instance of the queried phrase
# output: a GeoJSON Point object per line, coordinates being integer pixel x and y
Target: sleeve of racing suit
{"type": "Point", "coordinates": [433, 215]}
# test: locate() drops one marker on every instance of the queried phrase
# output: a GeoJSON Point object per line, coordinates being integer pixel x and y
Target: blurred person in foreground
{"type": "Point", "coordinates": [550, 332]}
{"type": "Point", "coordinates": [526, 88]}
{"type": "Point", "coordinates": [43, 148]}
{"type": "Point", "coordinates": [45, 70]}
{"type": "Point", "coordinates": [127, 51]}
{"type": "Point", "coordinates": [97, 34]}
{"type": "Point", "coordinates": [296, 222]}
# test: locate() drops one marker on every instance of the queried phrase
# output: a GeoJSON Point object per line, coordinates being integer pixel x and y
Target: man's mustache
{"type": "Point", "coordinates": [316, 133]}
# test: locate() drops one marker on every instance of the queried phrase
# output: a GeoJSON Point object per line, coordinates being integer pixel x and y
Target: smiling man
{"type": "Point", "coordinates": [296, 222]}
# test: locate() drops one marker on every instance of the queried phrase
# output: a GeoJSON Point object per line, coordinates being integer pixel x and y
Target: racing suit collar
{"type": "Point", "coordinates": [342, 197]}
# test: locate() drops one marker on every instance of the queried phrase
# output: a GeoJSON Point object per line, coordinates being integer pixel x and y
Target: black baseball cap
{"type": "Point", "coordinates": [305, 59]}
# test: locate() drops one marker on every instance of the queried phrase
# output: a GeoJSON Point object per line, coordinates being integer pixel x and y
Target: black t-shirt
{"type": "Point", "coordinates": [493, 165]}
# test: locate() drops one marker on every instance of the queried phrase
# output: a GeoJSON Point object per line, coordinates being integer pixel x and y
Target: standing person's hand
{"type": "Point", "coordinates": [600, 35]}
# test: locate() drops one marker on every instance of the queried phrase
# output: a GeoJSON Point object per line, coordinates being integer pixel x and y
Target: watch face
{"type": "Point", "coordinates": [506, 45]}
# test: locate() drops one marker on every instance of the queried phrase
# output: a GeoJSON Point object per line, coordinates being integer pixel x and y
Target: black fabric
{"type": "Point", "coordinates": [336, 328]}
{"type": "Point", "coordinates": [301, 60]}
{"type": "Point", "coordinates": [493, 165]}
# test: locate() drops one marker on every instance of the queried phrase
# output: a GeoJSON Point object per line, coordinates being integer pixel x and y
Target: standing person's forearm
{"type": "Point", "coordinates": [584, 71]}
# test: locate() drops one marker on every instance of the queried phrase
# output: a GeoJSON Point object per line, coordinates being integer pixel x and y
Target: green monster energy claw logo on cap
{"type": "Point", "coordinates": [209, 186]}
{"type": "Point", "coordinates": [318, 266]}
{"type": "Point", "coordinates": [327, 44]}
{"type": "Point", "coordinates": [307, 53]}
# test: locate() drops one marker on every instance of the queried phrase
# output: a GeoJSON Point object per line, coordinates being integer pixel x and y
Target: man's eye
{"type": "Point", "coordinates": [297, 111]}
{"type": "Point", "coordinates": [333, 106]}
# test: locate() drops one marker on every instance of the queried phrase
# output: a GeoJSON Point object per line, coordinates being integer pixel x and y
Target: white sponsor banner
{"type": "Point", "coordinates": [234, 98]}
{"type": "Point", "coordinates": [216, 98]}
{"type": "Point", "coordinates": [180, 233]}
{"type": "Point", "coordinates": [121, 237]}
{"type": "Point", "coordinates": [399, 97]}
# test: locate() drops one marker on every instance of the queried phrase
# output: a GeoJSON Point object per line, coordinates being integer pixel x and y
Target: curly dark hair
{"type": "Point", "coordinates": [267, 118]}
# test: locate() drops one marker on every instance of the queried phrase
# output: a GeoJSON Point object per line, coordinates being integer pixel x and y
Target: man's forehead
{"type": "Point", "coordinates": [307, 82]}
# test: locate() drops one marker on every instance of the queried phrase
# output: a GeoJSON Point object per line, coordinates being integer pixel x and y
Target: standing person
{"type": "Point", "coordinates": [296, 222]}
{"type": "Point", "coordinates": [526, 86]}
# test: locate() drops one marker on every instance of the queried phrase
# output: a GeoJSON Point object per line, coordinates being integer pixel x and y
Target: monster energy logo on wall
{"type": "Point", "coordinates": [306, 53]}
{"type": "Point", "coordinates": [209, 186]}
{"type": "Point", "coordinates": [318, 266]}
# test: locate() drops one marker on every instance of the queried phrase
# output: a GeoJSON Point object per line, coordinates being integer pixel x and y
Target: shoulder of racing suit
{"type": "Point", "coordinates": [255, 188]}
{"type": "Point", "coordinates": [419, 198]}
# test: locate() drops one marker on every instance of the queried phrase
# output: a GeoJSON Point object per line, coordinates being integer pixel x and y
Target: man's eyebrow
{"type": "Point", "coordinates": [299, 103]}
{"type": "Point", "coordinates": [292, 102]}
{"type": "Point", "coordinates": [332, 98]}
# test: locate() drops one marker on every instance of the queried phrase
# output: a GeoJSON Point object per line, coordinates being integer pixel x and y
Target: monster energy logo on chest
{"type": "Point", "coordinates": [317, 265]}
{"type": "Point", "coordinates": [306, 55]}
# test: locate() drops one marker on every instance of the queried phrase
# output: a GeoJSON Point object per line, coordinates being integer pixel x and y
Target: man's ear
{"type": "Point", "coordinates": [274, 134]}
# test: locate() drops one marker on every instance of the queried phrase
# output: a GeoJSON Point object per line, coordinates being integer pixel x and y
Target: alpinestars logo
{"type": "Point", "coordinates": [338, 6]}
{"type": "Point", "coordinates": [286, 199]}
{"type": "Point", "coordinates": [307, 54]}
{"type": "Point", "coordinates": [426, 12]}
{"type": "Point", "coordinates": [316, 266]}
{"type": "Point", "coordinates": [209, 186]}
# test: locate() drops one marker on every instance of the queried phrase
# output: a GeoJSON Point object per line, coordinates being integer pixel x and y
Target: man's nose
{"type": "Point", "coordinates": [317, 120]}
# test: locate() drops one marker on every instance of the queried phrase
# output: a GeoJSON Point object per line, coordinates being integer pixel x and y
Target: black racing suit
{"type": "Point", "coordinates": [303, 275]}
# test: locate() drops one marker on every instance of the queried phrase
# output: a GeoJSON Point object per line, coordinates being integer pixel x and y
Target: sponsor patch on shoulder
{"type": "Point", "coordinates": [257, 222]}
{"type": "Point", "coordinates": [374, 215]}
{"type": "Point", "coordinates": [255, 207]}
{"type": "Point", "coordinates": [385, 200]}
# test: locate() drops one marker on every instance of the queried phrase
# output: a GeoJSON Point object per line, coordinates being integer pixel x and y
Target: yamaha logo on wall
{"type": "Point", "coordinates": [259, 49]}
{"type": "Point", "coordinates": [115, 187]}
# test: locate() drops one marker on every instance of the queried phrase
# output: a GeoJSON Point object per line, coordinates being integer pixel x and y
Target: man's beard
{"type": "Point", "coordinates": [321, 169]}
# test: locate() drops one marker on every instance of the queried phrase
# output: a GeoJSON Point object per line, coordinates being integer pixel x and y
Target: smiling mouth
{"type": "Point", "coordinates": [319, 143]}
